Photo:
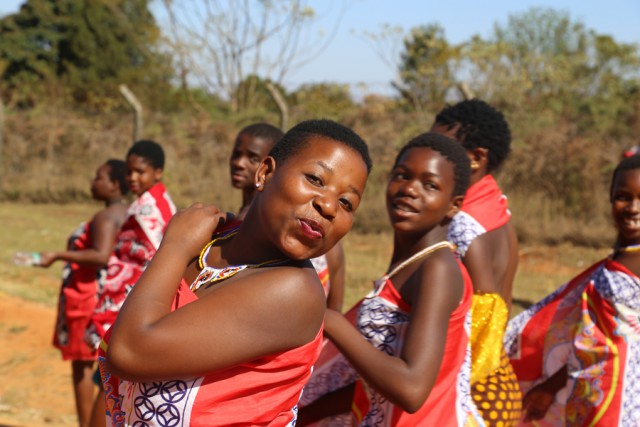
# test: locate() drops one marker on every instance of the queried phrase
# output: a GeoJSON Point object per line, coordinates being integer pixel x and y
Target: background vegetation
{"type": "Point", "coordinates": [571, 95]}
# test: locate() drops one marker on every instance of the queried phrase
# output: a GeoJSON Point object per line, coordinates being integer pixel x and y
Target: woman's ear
{"type": "Point", "coordinates": [265, 170]}
{"type": "Point", "coordinates": [479, 158]}
{"type": "Point", "coordinates": [454, 207]}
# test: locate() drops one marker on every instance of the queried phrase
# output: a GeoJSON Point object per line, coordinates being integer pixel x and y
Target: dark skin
{"type": "Point", "coordinates": [500, 246]}
{"type": "Point", "coordinates": [104, 228]}
{"type": "Point", "coordinates": [421, 204]}
{"type": "Point", "coordinates": [625, 210]}
{"type": "Point", "coordinates": [303, 207]}
{"type": "Point", "coordinates": [246, 155]}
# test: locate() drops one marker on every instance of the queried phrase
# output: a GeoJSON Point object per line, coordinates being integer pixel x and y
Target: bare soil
{"type": "Point", "coordinates": [35, 383]}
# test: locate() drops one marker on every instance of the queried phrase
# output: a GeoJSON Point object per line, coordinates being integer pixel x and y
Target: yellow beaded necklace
{"type": "Point", "coordinates": [210, 275]}
{"type": "Point", "coordinates": [630, 248]}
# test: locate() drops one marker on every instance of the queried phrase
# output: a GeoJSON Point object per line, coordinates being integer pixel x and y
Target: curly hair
{"type": "Point", "coordinates": [118, 173]}
{"type": "Point", "coordinates": [269, 133]}
{"type": "Point", "coordinates": [301, 134]}
{"type": "Point", "coordinates": [448, 149]}
{"type": "Point", "coordinates": [149, 150]}
{"type": "Point", "coordinates": [627, 164]}
{"type": "Point", "coordinates": [480, 125]}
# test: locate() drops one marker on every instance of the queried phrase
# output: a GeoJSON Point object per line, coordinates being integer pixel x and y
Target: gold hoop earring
{"type": "Point", "coordinates": [474, 165]}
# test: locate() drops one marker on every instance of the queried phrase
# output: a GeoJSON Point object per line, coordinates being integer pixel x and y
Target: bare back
{"type": "Point", "coordinates": [492, 261]}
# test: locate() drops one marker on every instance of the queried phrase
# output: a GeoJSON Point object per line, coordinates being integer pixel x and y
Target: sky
{"type": "Point", "coordinates": [350, 59]}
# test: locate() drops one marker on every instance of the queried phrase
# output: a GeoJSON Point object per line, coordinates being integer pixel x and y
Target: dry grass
{"type": "Point", "coordinates": [46, 227]}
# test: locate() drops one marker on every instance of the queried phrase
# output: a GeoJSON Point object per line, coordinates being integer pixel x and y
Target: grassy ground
{"type": "Point", "coordinates": [46, 227]}
{"type": "Point", "coordinates": [36, 388]}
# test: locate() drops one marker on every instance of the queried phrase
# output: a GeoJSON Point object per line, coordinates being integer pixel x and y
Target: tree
{"type": "Point", "coordinates": [89, 45]}
{"type": "Point", "coordinates": [427, 68]}
{"type": "Point", "coordinates": [331, 101]}
{"type": "Point", "coordinates": [584, 88]}
{"type": "Point", "coordinates": [217, 45]}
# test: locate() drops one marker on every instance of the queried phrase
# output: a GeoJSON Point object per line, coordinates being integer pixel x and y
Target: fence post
{"type": "Point", "coordinates": [137, 111]}
{"type": "Point", "coordinates": [281, 103]}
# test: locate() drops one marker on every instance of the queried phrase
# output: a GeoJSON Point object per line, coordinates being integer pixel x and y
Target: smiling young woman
{"type": "Point", "coordinates": [237, 347]}
{"type": "Point", "coordinates": [410, 343]}
{"type": "Point", "coordinates": [584, 337]}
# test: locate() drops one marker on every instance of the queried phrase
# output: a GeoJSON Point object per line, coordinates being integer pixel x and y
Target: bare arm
{"type": "Point", "coordinates": [104, 229]}
{"type": "Point", "coordinates": [407, 380]}
{"type": "Point", "coordinates": [256, 313]}
{"type": "Point", "coordinates": [337, 267]}
{"type": "Point", "coordinates": [537, 401]}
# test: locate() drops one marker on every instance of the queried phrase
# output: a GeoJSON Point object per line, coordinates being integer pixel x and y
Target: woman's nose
{"type": "Point", "coordinates": [326, 206]}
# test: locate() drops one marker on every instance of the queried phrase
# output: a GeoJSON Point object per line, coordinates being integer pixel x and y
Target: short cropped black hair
{"type": "Point", "coordinates": [450, 150]}
{"type": "Point", "coordinates": [118, 173]}
{"type": "Point", "coordinates": [482, 126]}
{"type": "Point", "coordinates": [269, 133]}
{"type": "Point", "coordinates": [627, 164]}
{"type": "Point", "coordinates": [299, 136]}
{"type": "Point", "coordinates": [150, 151]}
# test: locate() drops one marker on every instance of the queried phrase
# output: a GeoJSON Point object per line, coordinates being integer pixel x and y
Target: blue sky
{"type": "Point", "coordinates": [350, 59]}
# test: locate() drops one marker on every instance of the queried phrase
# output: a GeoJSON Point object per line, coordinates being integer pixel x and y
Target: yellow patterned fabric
{"type": "Point", "coordinates": [498, 396]}
{"type": "Point", "coordinates": [494, 385]}
{"type": "Point", "coordinates": [488, 321]}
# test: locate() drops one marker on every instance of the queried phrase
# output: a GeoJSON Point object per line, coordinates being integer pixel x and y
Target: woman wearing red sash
{"type": "Point", "coordinates": [225, 332]}
{"type": "Point", "coordinates": [577, 351]}
{"type": "Point", "coordinates": [88, 251]}
{"type": "Point", "coordinates": [487, 244]}
{"type": "Point", "coordinates": [410, 343]}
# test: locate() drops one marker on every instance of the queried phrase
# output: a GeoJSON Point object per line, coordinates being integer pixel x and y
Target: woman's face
{"type": "Point", "coordinates": [625, 206]}
{"type": "Point", "coordinates": [141, 175]}
{"type": "Point", "coordinates": [248, 152]}
{"type": "Point", "coordinates": [419, 192]}
{"type": "Point", "coordinates": [307, 203]}
{"type": "Point", "coordinates": [102, 187]}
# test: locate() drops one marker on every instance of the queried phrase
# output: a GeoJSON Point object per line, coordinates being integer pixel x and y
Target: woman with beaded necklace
{"type": "Point", "coordinates": [577, 351]}
{"type": "Point", "coordinates": [237, 345]}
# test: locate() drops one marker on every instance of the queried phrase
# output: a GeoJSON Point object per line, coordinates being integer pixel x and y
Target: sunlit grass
{"type": "Point", "coordinates": [46, 227]}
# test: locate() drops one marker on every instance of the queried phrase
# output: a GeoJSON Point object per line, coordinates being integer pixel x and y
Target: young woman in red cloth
{"type": "Point", "coordinates": [253, 144]}
{"type": "Point", "coordinates": [86, 257]}
{"type": "Point", "coordinates": [136, 243]}
{"type": "Point", "coordinates": [410, 343]}
{"type": "Point", "coordinates": [225, 332]}
{"type": "Point", "coordinates": [487, 244]}
{"type": "Point", "coordinates": [577, 351]}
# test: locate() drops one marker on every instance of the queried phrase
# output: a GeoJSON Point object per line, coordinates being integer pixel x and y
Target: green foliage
{"type": "Point", "coordinates": [324, 100]}
{"type": "Point", "coordinates": [427, 67]}
{"type": "Point", "coordinates": [89, 46]}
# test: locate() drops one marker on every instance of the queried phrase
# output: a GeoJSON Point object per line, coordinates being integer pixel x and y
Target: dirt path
{"type": "Point", "coordinates": [35, 384]}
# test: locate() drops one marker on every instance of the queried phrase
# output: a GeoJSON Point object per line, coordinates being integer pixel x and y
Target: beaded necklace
{"type": "Point", "coordinates": [630, 248]}
{"type": "Point", "coordinates": [210, 275]}
{"type": "Point", "coordinates": [420, 254]}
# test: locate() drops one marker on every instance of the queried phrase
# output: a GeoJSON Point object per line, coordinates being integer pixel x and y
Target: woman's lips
{"type": "Point", "coordinates": [312, 229]}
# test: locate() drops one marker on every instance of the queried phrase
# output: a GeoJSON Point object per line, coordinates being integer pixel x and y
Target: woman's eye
{"type": "Point", "coordinates": [255, 159]}
{"type": "Point", "coordinates": [430, 185]}
{"type": "Point", "coordinates": [314, 180]}
{"type": "Point", "coordinates": [346, 203]}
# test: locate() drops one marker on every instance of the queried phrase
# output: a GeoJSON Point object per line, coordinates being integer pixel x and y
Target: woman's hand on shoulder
{"type": "Point", "coordinates": [191, 229]}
